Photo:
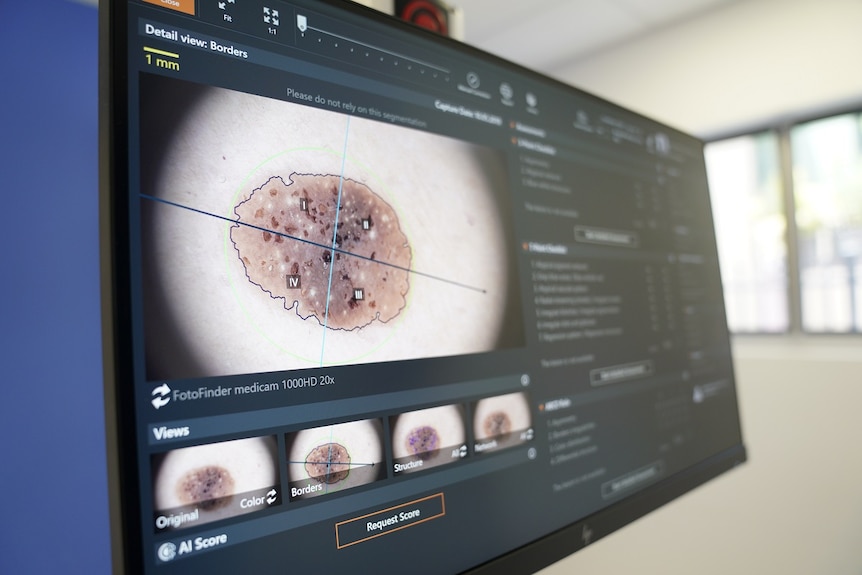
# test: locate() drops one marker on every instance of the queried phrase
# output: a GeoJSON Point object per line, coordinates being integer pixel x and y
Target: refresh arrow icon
{"type": "Point", "coordinates": [161, 396]}
{"type": "Point", "coordinates": [271, 496]}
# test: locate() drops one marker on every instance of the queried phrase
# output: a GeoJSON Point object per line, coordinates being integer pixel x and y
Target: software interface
{"type": "Point", "coordinates": [394, 302]}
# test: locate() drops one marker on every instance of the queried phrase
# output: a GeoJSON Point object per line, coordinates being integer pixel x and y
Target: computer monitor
{"type": "Point", "coordinates": [376, 300]}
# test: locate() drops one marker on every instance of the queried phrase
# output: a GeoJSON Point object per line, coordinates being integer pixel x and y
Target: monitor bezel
{"type": "Point", "coordinates": [120, 404]}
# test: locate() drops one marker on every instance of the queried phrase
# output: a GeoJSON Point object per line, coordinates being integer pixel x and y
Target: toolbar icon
{"type": "Point", "coordinates": [167, 551]}
{"type": "Point", "coordinates": [270, 16]}
{"type": "Point", "coordinates": [223, 6]}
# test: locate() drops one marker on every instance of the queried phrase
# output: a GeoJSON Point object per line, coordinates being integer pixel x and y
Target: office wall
{"type": "Point", "coordinates": [742, 64]}
{"type": "Point", "coordinates": [796, 507]}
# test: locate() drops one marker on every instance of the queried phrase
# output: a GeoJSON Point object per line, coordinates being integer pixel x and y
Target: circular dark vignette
{"type": "Point", "coordinates": [328, 463]}
{"type": "Point", "coordinates": [293, 248]}
{"type": "Point", "coordinates": [424, 442]}
{"type": "Point", "coordinates": [210, 487]}
{"type": "Point", "coordinates": [497, 425]}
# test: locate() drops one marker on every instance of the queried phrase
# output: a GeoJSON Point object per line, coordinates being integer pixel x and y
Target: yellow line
{"type": "Point", "coordinates": [162, 52]}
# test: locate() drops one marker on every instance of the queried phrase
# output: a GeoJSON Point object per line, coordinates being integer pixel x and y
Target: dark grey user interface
{"type": "Point", "coordinates": [395, 303]}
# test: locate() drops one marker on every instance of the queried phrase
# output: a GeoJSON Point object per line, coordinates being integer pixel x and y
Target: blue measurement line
{"type": "Point", "coordinates": [334, 235]}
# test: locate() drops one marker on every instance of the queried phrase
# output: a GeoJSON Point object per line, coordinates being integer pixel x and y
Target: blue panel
{"type": "Point", "coordinates": [53, 475]}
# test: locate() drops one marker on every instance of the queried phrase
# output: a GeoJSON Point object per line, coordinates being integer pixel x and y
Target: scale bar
{"type": "Point", "coordinates": [373, 47]}
{"type": "Point", "coordinates": [161, 52]}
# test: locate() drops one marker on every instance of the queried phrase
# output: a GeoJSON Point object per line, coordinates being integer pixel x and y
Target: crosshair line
{"type": "Point", "coordinates": [333, 247]}
{"type": "Point", "coordinates": [316, 244]}
{"type": "Point", "coordinates": [333, 463]}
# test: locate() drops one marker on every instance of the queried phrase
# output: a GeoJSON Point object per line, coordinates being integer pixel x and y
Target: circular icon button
{"type": "Point", "coordinates": [167, 551]}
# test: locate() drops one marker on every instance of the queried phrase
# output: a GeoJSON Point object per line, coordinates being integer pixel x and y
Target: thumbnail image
{"type": "Point", "coordinates": [427, 438]}
{"type": "Point", "coordinates": [204, 483]}
{"type": "Point", "coordinates": [278, 236]}
{"type": "Point", "coordinates": [501, 421]}
{"type": "Point", "coordinates": [334, 458]}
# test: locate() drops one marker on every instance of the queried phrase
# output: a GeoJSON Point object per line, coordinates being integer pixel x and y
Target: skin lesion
{"type": "Point", "coordinates": [328, 463]}
{"type": "Point", "coordinates": [211, 487]}
{"type": "Point", "coordinates": [497, 425]}
{"type": "Point", "coordinates": [423, 441]}
{"type": "Point", "coordinates": [321, 234]}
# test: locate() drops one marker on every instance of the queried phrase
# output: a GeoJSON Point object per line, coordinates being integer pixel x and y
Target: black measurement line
{"type": "Point", "coordinates": [316, 244]}
{"type": "Point", "coordinates": [332, 463]}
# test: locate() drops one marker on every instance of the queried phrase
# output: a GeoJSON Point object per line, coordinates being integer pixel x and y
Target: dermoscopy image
{"type": "Point", "coordinates": [427, 438]}
{"type": "Point", "coordinates": [501, 421]}
{"type": "Point", "coordinates": [296, 249]}
{"type": "Point", "coordinates": [333, 458]}
{"type": "Point", "coordinates": [277, 236]}
{"type": "Point", "coordinates": [203, 483]}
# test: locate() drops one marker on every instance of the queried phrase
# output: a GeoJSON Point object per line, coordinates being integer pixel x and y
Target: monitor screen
{"type": "Point", "coordinates": [373, 297]}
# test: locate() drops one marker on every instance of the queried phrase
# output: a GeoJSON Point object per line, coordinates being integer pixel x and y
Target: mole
{"type": "Point", "coordinates": [423, 441]}
{"type": "Point", "coordinates": [210, 487]}
{"type": "Point", "coordinates": [328, 463]}
{"type": "Point", "coordinates": [497, 425]}
{"type": "Point", "coordinates": [298, 243]}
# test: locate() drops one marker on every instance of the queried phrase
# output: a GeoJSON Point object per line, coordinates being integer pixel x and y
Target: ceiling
{"type": "Point", "coordinates": [551, 34]}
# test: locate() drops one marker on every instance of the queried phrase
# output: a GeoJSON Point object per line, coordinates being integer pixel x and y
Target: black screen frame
{"type": "Point", "coordinates": [120, 401]}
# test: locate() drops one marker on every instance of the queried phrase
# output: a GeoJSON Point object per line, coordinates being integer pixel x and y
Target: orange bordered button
{"type": "Point", "coordinates": [184, 6]}
{"type": "Point", "coordinates": [389, 520]}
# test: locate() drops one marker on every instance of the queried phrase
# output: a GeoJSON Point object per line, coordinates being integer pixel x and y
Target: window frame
{"type": "Point", "coordinates": [782, 128]}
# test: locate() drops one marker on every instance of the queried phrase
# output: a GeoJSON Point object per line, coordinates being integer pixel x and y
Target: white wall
{"type": "Point", "coordinates": [796, 507]}
{"type": "Point", "coordinates": [742, 64]}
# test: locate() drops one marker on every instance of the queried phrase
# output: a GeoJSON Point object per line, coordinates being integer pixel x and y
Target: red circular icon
{"type": "Point", "coordinates": [427, 15]}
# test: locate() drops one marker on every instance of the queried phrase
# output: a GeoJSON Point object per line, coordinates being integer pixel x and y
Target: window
{"type": "Point", "coordinates": [760, 254]}
{"type": "Point", "coordinates": [747, 203]}
{"type": "Point", "coordinates": [827, 184]}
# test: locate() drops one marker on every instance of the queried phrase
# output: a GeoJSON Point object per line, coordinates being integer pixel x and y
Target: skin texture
{"type": "Point", "coordinates": [328, 463]}
{"type": "Point", "coordinates": [209, 313]}
{"type": "Point", "coordinates": [497, 424]}
{"type": "Point", "coordinates": [336, 457]}
{"type": "Point", "coordinates": [213, 477]}
{"type": "Point", "coordinates": [502, 418]}
{"type": "Point", "coordinates": [428, 435]}
{"type": "Point", "coordinates": [423, 441]}
{"type": "Point", "coordinates": [320, 234]}
{"type": "Point", "coordinates": [210, 486]}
